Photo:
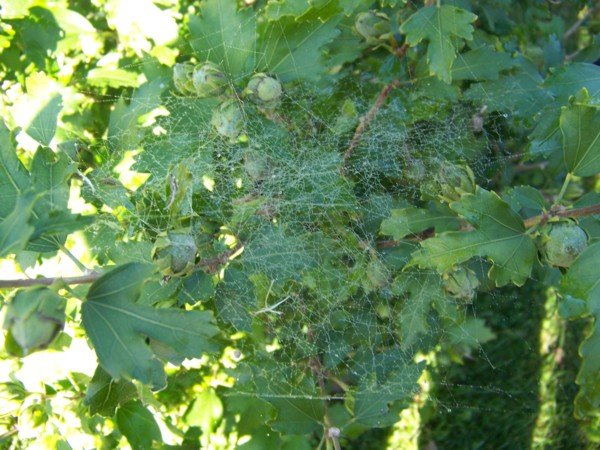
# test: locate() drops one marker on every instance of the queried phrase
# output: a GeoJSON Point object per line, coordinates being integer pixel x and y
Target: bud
{"type": "Point", "coordinates": [175, 252]}
{"type": "Point", "coordinates": [208, 80]}
{"type": "Point", "coordinates": [264, 90]}
{"type": "Point", "coordinates": [461, 283]}
{"type": "Point", "coordinates": [182, 78]}
{"type": "Point", "coordinates": [564, 243]}
{"type": "Point", "coordinates": [228, 119]}
{"type": "Point", "coordinates": [373, 26]}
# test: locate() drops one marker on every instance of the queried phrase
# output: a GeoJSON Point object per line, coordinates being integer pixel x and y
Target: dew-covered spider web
{"type": "Point", "coordinates": [329, 324]}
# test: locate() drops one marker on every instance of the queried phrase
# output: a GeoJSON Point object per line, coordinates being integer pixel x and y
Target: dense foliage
{"type": "Point", "coordinates": [268, 224]}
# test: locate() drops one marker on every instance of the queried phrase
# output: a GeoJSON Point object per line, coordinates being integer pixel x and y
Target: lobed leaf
{"type": "Point", "coordinates": [439, 25]}
{"type": "Point", "coordinates": [122, 331]}
{"type": "Point", "coordinates": [580, 127]}
{"type": "Point", "coordinates": [499, 236]}
{"type": "Point", "coordinates": [225, 36]}
{"type": "Point", "coordinates": [582, 282]}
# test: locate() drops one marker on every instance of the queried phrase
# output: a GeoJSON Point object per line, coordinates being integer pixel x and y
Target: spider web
{"type": "Point", "coordinates": [311, 269]}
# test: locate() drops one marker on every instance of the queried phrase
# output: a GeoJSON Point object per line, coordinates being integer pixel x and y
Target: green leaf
{"type": "Point", "coordinates": [525, 199]}
{"type": "Point", "coordinates": [124, 131]}
{"type": "Point", "coordinates": [499, 236]}
{"type": "Point", "coordinates": [205, 410]}
{"type": "Point", "coordinates": [590, 224]}
{"type": "Point", "coordinates": [570, 79]}
{"type": "Point", "coordinates": [37, 35]}
{"type": "Point", "coordinates": [439, 26]}
{"type": "Point", "coordinates": [519, 93]}
{"type": "Point", "coordinates": [34, 317]}
{"type": "Point", "coordinates": [137, 424]}
{"type": "Point", "coordinates": [291, 47]}
{"type": "Point", "coordinates": [15, 229]}
{"type": "Point", "coordinates": [411, 221]}
{"type": "Point", "coordinates": [104, 394]}
{"type": "Point", "coordinates": [546, 137]}
{"type": "Point", "coordinates": [472, 333]}
{"type": "Point", "coordinates": [580, 126]}
{"type": "Point", "coordinates": [14, 179]}
{"type": "Point", "coordinates": [106, 77]}
{"type": "Point", "coordinates": [563, 83]}
{"type": "Point", "coordinates": [50, 174]}
{"type": "Point", "coordinates": [43, 126]}
{"type": "Point", "coordinates": [278, 254]}
{"type": "Point", "coordinates": [582, 282]}
{"type": "Point", "coordinates": [480, 64]}
{"type": "Point", "coordinates": [420, 290]}
{"type": "Point", "coordinates": [389, 382]}
{"type": "Point", "coordinates": [119, 328]}
{"type": "Point", "coordinates": [225, 36]}
{"type": "Point", "coordinates": [300, 409]}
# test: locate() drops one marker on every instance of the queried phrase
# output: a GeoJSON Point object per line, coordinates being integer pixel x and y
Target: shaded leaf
{"type": "Point", "coordinates": [411, 221]}
{"type": "Point", "coordinates": [138, 425]}
{"type": "Point", "coordinates": [582, 282]}
{"type": "Point", "coordinates": [15, 229]}
{"type": "Point", "coordinates": [389, 382]}
{"type": "Point", "coordinates": [124, 131]}
{"type": "Point", "coordinates": [519, 93]}
{"type": "Point", "coordinates": [43, 126]}
{"type": "Point", "coordinates": [420, 291]}
{"type": "Point", "coordinates": [104, 394]}
{"type": "Point", "coordinates": [580, 126]}
{"type": "Point", "coordinates": [480, 64]}
{"type": "Point", "coordinates": [14, 178]}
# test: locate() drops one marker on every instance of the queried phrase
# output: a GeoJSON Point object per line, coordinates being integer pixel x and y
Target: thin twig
{"type": "Point", "coordinates": [210, 264]}
{"type": "Point", "coordinates": [541, 219]}
{"type": "Point", "coordinates": [580, 22]}
{"type": "Point", "coordinates": [584, 211]}
{"type": "Point", "coordinates": [365, 120]}
{"type": "Point", "coordinates": [84, 279]}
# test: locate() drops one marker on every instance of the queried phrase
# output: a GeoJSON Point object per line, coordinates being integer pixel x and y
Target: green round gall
{"type": "Point", "coordinates": [228, 119]}
{"type": "Point", "coordinates": [208, 80]}
{"type": "Point", "coordinates": [182, 78]}
{"type": "Point", "coordinates": [461, 283]}
{"type": "Point", "coordinates": [564, 243]}
{"type": "Point", "coordinates": [373, 26]}
{"type": "Point", "coordinates": [264, 90]}
{"type": "Point", "coordinates": [175, 253]}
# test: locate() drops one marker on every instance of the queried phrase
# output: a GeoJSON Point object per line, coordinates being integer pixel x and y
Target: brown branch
{"type": "Point", "coordinates": [580, 22]}
{"type": "Point", "coordinates": [84, 279]}
{"type": "Point", "coordinates": [365, 120]}
{"type": "Point", "coordinates": [557, 211]}
{"type": "Point", "coordinates": [210, 264]}
{"type": "Point", "coordinates": [560, 211]}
